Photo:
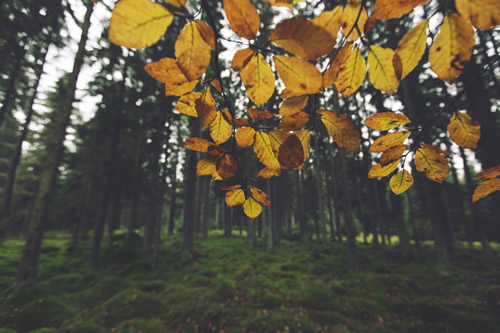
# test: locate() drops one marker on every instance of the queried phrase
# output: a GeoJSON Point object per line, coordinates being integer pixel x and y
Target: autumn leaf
{"type": "Point", "coordinates": [489, 173]}
{"type": "Point", "coordinates": [167, 71]}
{"type": "Point", "coordinates": [388, 141]}
{"type": "Point", "coordinates": [258, 78]}
{"type": "Point", "coordinates": [299, 75]}
{"type": "Point", "coordinates": [389, 9]}
{"type": "Point", "coordinates": [303, 38]}
{"type": "Point", "coordinates": [240, 122]}
{"type": "Point", "coordinates": [205, 107]}
{"type": "Point", "coordinates": [392, 154]}
{"type": "Point", "coordinates": [331, 74]}
{"type": "Point", "coordinates": [351, 74]}
{"type": "Point", "coordinates": [434, 165]}
{"type": "Point", "coordinates": [349, 17]}
{"type": "Point", "coordinates": [217, 85]}
{"type": "Point", "coordinates": [257, 114]}
{"type": "Point", "coordinates": [452, 47]}
{"type": "Point", "coordinates": [264, 151]}
{"type": "Point", "coordinates": [305, 139]}
{"type": "Point", "coordinates": [192, 52]}
{"type": "Point", "coordinates": [235, 198]}
{"type": "Point", "coordinates": [138, 23]}
{"type": "Point", "coordinates": [241, 59]}
{"type": "Point", "coordinates": [252, 208]}
{"type": "Point", "coordinates": [226, 166]}
{"type": "Point", "coordinates": [243, 17]}
{"type": "Point", "coordinates": [206, 166]}
{"type": "Point", "coordinates": [245, 137]}
{"type": "Point", "coordinates": [381, 69]}
{"type": "Point", "coordinates": [178, 3]}
{"type": "Point", "coordinates": [268, 173]}
{"type": "Point", "coordinates": [187, 104]}
{"type": "Point", "coordinates": [198, 144]}
{"type": "Point", "coordinates": [385, 121]}
{"type": "Point", "coordinates": [284, 3]}
{"type": "Point", "coordinates": [483, 14]}
{"type": "Point", "coordinates": [293, 105]}
{"type": "Point", "coordinates": [486, 188]}
{"type": "Point", "coordinates": [401, 182]}
{"type": "Point", "coordinates": [379, 171]}
{"type": "Point", "coordinates": [341, 129]}
{"type": "Point", "coordinates": [411, 48]}
{"type": "Point", "coordinates": [260, 196]}
{"type": "Point", "coordinates": [221, 128]}
{"type": "Point", "coordinates": [206, 33]}
{"type": "Point", "coordinates": [287, 148]}
{"type": "Point", "coordinates": [330, 21]}
{"type": "Point", "coordinates": [464, 131]}
{"type": "Point", "coordinates": [435, 149]}
{"type": "Point", "coordinates": [294, 121]}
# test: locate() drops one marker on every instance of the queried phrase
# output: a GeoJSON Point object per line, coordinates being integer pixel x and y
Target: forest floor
{"type": "Point", "coordinates": [230, 287]}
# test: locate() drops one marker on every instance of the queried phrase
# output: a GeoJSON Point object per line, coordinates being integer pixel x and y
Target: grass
{"type": "Point", "coordinates": [300, 287]}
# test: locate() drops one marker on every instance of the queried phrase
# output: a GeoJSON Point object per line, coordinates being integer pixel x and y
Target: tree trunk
{"type": "Point", "coordinates": [351, 233]}
{"type": "Point", "coordinates": [172, 210]}
{"type": "Point", "coordinates": [300, 207]}
{"type": "Point", "coordinates": [399, 218]}
{"type": "Point", "coordinates": [31, 252]}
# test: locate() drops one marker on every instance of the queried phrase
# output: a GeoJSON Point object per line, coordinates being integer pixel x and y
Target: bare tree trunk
{"type": "Point", "coordinates": [300, 207]}
{"type": "Point", "coordinates": [351, 233]}
{"type": "Point", "coordinates": [172, 206]}
{"type": "Point", "coordinates": [31, 252]}
{"type": "Point", "coordinates": [82, 209]}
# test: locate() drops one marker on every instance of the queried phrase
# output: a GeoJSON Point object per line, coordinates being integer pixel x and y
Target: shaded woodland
{"type": "Point", "coordinates": [120, 186]}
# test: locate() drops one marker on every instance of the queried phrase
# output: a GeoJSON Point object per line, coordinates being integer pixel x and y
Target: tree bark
{"type": "Point", "coordinates": [349, 221]}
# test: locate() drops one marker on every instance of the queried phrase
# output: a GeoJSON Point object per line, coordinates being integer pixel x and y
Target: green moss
{"type": "Point", "coordinates": [224, 287]}
{"type": "Point", "coordinates": [83, 327]}
{"type": "Point", "coordinates": [141, 326]}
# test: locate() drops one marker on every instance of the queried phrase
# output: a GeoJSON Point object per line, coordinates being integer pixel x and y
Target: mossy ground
{"type": "Point", "coordinates": [299, 287]}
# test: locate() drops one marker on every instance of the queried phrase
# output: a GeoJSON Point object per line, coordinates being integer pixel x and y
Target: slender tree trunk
{"type": "Point", "coordinates": [269, 222]}
{"type": "Point", "coordinates": [399, 218]}
{"type": "Point", "coordinates": [300, 207]}
{"type": "Point", "coordinates": [206, 207]}
{"type": "Point", "coordinates": [172, 210]}
{"type": "Point", "coordinates": [413, 217]}
{"type": "Point", "coordinates": [31, 252]}
{"type": "Point", "coordinates": [321, 204]}
{"type": "Point", "coordinates": [82, 209]}
{"type": "Point", "coordinates": [349, 221]}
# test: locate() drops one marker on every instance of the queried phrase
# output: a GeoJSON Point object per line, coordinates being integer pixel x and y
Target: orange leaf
{"type": "Point", "coordinates": [384, 121]}
{"type": "Point", "coordinates": [198, 144]}
{"type": "Point", "coordinates": [217, 85]}
{"type": "Point", "coordinates": [483, 14]}
{"type": "Point", "coordinates": [252, 208]}
{"type": "Point", "coordinates": [178, 3]}
{"type": "Point", "coordinates": [241, 59]}
{"type": "Point", "coordinates": [206, 33]}
{"type": "Point", "coordinates": [486, 188]}
{"type": "Point", "coordinates": [338, 59]}
{"type": "Point", "coordinates": [235, 198]}
{"type": "Point", "coordinates": [256, 114]}
{"type": "Point", "coordinates": [205, 107]}
{"type": "Point", "coordinates": [302, 38]}
{"type": "Point", "coordinates": [388, 141]}
{"type": "Point", "coordinates": [388, 9]}
{"type": "Point", "coordinates": [186, 104]}
{"type": "Point", "coordinates": [305, 139]}
{"type": "Point", "coordinates": [392, 154]}
{"type": "Point", "coordinates": [330, 21]}
{"type": "Point", "coordinates": [243, 17]}
{"type": "Point", "coordinates": [206, 166]}
{"type": "Point", "coordinates": [258, 78]}
{"type": "Point", "coordinates": [464, 131]}
{"type": "Point", "coordinates": [268, 173]}
{"type": "Point", "coordinates": [401, 182]}
{"type": "Point", "coordinates": [167, 71]}
{"type": "Point", "coordinates": [349, 16]}
{"type": "Point", "coordinates": [434, 164]}
{"type": "Point", "coordinates": [379, 171]}
{"type": "Point", "coordinates": [245, 137]}
{"type": "Point", "coordinates": [192, 52]}
{"type": "Point", "coordinates": [221, 129]}
{"type": "Point", "coordinates": [489, 173]}
{"type": "Point", "coordinates": [352, 73]}
{"type": "Point", "coordinates": [294, 121]}
{"type": "Point", "coordinates": [288, 148]}
{"type": "Point", "coordinates": [298, 75]}
{"type": "Point", "coordinates": [226, 166]}
{"type": "Point", "coordinates": [260, 196]}
{"type": "Point", "coordinates": [341, 129]}
{"type": "Point", "coordinates": [180, 90]}
{"type": "Point", "coordinates": [240, 122]}
{"type": "Point", "coordinates": [293, 105]}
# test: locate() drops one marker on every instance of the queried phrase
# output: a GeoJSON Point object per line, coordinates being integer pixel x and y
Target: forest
{"type": "Point", "coordinates": [249, 166]}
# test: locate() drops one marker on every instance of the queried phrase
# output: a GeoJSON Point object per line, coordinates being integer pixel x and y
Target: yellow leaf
{"type": "Point", "coordinates": [178, 3]}
{"type": "Point", "coordinates": [206, 33]}
{"type": "Point", "coordinates": [235, 198]}
{"type": "Point", "coordinates": [138, 23]}
{"type": "Point", "coordinates": [464, 131]}
{"type": "Point", "coordinates": [349, 16]}
{"type": "Point", "coordinates": [167, 71]}
{"type": "Point", "coordinates": [483, 14]}
{"type": "Point", "coordinates": [392, 154]}
{"type": "Point", "coordinates": [294, 121]}
{"type": "Point", "coordinates": [489, 173]}
{"type": "Point", "coordinates": [241, 59]}
{"type": "Point", "coordinates": [385, 121]}
{"type": "Point", "coordinates": [452, 47]}
{"type": "Point", "coordinates": [388, 141]}
{"type": "Point", "coordinates": [252, 208]}
{"type": "Point", "coordinates": [264, 151]}
{"type": "Point", "coordinates": [226, 166]}
{"type": "Point", "coordinates": [381, 70]}
{"type": "Point", "coordinates": [245, 137]}
{"type": "Point", "coordinates": [388, 9]}
{"type": "Point", "coordinates": [342, 130]}
{"type": "Point", "coordinates": [299, 75]}
{"type": "Point", "coordinates": [352, 73]}
{"type": "Point", "coordinates": [288, 148]}
{"type": "Point", "coordinates": [180, 90]}
{"type": "Point", "coordinates": [486, 188]}
{"type": "Point", "coordinates": [302, 38]}
{"type": "Point", "coordinates": [260, 196]}
{"type": "Point", "coordinates": [268, 173]}
{"type": "Point", "coordinates": [411, 48]}
{"type": "Point", "coordinates": [243, 17]}
{"type": "Point", "coordinates": [330, 21]}
{"type": "Point", "coordinates": [379, 171]}
{"type": "Point", "coordinates": [258, 78]}
{"type": "Point", "coordinates": [401, 182]}
{"type": "Point", "coordinates": [192, 52]}
{"type": "Point", "coordinates": [186, 104]}
{"type": "Point", "coordinates": [305, 139]}
{"type": "Point", "coordinates": [221, 128]}
{"type": "Point", "coordinates": [205, 107]}
{"type": "Point", "coordinates": [293, 105]}
{"type": "Point", "coordinates": [206, 166]}
{"type": "Point", "coordinates": [434, 164]}
{"type": "Point", "coordinates": [338, 59]}
{"type": "Point", "coordinates": [198, 144]}
{"type": "Point", "coordinates": [284, 3]}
